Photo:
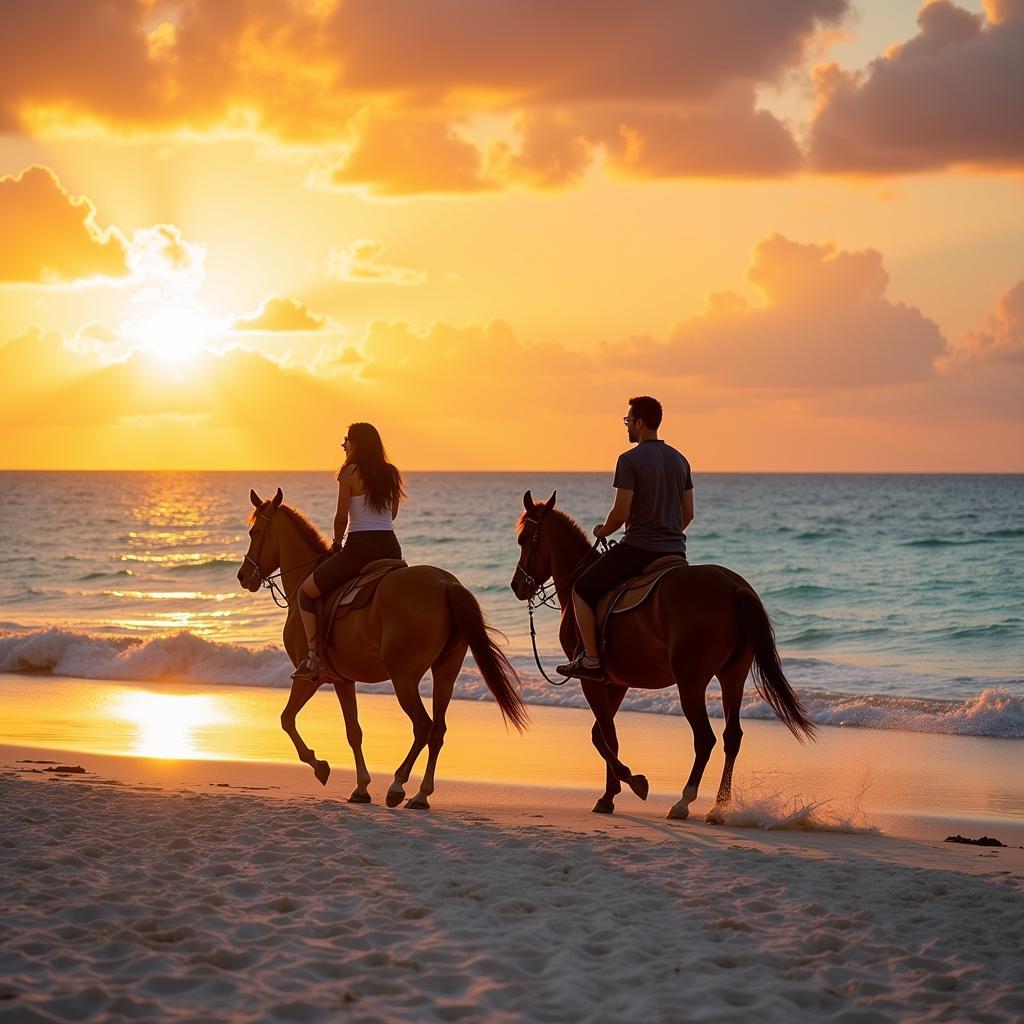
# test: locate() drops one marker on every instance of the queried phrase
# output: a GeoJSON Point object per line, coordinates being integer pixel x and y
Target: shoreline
{"type": "Point", "coordinates": [917, 785]}
{"type": "Point", "coordinates": [507, 803]}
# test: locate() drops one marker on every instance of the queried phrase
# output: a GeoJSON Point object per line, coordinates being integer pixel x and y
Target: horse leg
{"type": "Point", "coordinates": [444, 675]}
{"type": "Point", "coordinates": [407, 690]}
{"type": "Point", "coordinates": [600, 703]}
{"type": "Point", "coordinates": [346, 691]}
{"type": "Point", "coordinates": [732, 679]}
{"type": "Point", "coordinates": [691, 696]}
{"type": "Point", "coordinates": [612, 788]}
{"type": "Point", "coordinates": [302, 691]}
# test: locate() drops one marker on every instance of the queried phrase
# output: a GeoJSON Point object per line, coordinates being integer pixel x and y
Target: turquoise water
{"type": "Point", "coordinates": [897, 599]}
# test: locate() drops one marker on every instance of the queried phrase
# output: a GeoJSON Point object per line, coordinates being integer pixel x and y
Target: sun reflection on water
{"type": "Point", "coordinates": [166, 725]}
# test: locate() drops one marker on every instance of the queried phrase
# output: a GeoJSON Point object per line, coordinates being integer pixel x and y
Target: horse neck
{"type": "Point", "coordinates": [568, 558]}
{"type": "Point", "coordinates": [298, 556]}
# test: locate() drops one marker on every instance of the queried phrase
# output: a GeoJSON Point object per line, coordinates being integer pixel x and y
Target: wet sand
{"type": "Point", "coordinates": [910, 784]}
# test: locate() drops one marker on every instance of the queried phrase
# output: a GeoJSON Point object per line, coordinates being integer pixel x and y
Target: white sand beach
{"type": "Point", "coordinates": [167, 891]}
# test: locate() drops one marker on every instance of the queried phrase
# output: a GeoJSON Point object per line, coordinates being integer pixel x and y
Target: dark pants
{"type": "Point", "coordinates": [615, 566]}
{"type": "Point", "coordinates": [360, 548]}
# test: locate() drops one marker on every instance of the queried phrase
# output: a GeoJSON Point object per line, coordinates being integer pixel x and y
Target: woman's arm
{"type": "Point", "coordinates": [394, 508]}
{"type": "Point", "coordinates": [345, 478]}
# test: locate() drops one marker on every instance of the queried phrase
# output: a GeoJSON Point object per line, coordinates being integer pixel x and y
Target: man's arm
{"type": "Point", "coordinates": [687, 508]}
{"type": "Point", "coordinates": [617, 514]}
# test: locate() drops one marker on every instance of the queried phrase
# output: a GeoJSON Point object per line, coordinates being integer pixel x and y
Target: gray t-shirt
{"type": "Point", "coordinates": [657, 475]}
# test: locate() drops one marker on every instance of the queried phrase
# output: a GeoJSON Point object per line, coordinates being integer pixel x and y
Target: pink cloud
{"type": "Point", "coordinates": [826, 323]}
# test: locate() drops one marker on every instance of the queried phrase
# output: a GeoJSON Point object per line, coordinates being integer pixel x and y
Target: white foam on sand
{"type": "Point", "coordinates": [155, 906]}
{"type": "Point", "coordinates": [761, 803]}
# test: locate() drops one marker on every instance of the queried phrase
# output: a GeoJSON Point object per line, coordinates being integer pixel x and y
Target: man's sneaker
{"type": "Point", "coordinates": [582, 668]}
{"type": "Point", "coordinates": [308, 668]}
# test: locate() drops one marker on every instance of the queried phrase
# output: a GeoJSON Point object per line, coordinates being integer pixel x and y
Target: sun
{"type": "Point", "coordinates": [173, 333]}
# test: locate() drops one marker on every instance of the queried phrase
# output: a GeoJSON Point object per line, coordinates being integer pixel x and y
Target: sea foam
{"type": "Point", "coordinates": [184, 657]}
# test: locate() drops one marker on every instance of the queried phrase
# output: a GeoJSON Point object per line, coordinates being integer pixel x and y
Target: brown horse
{"type": "Point", "coordinates": [419, 618]}
{"type": "Point", "coordinates": [701, 621]}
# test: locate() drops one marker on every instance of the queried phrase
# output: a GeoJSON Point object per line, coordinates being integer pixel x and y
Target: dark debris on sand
{"type": "Point", "coordinates": [983, 841]}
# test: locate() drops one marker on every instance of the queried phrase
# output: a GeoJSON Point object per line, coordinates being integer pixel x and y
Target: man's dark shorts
{"type": "Point", "coordinates": [615, 566]}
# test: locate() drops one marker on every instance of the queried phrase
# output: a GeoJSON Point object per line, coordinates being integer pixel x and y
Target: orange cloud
{"type": "Point", "coordinates": [951, 95]}
{"type": "Point", "coordinates": [665, 89]}
{"type": "Point", "coordinates": [727, 138]}
{"type": "Point", "coordinates": [50, 237]}
{"type": "Point", "coordinates": [826, 323]}
{"type": "Point", "coordinates": [361, 262]}
{"type": "Point", "coordinates": [396, 157]}
{"type": "Point", "coordinates": [575, 51]}
{"type": "Point", "coordinates": [279, 314]}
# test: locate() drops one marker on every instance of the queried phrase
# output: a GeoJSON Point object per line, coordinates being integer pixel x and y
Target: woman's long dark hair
{"type": "Point", "coordinates": [383, 482]}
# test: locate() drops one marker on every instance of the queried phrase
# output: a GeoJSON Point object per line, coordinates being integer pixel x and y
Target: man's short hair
{"type": "Point", "coordinates": [648, 409]}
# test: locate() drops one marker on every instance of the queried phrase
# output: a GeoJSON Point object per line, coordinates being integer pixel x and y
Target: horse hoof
{"type": "Point", "coordinates": [418, 803]}
{"type": "Point", "coordinates": [639, 785]}
{"type": "Point", "coordinates": [358, 797]}
{"type": "Point", "coordinates": [677, 813]}
{"type": "Point", "coordinates": [322, 771]}
{"type": "Point", "coordinates": [604, 807]}
{"type": "Point", "coordinates": [394, 797]}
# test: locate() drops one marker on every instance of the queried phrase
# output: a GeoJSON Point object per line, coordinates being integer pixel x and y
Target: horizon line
{"type": "Point", "coordinates": [553, 472]}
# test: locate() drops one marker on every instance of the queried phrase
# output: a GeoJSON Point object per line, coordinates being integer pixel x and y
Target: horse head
{"type": "Point", "coordinates": [534, 566]}
{"type": "Point", "coordinates": [263, 556]}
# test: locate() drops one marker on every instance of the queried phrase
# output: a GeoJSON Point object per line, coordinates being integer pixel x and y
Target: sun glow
{"type": "Point", "coordinates": [166, 724]}
{"type": "Point", "coordinates": [173, 333]}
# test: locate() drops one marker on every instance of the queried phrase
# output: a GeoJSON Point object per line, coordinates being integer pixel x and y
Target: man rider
{"type": "Point", "coordinates": [654, 499]}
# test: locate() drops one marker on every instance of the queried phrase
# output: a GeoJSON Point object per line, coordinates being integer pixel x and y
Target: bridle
{"type": "Point", "coordinates": [541, 596]}
{"type": "Point", "coordinates": [281, 599]}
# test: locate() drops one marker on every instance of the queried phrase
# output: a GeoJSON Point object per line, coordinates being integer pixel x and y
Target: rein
{"type": "Point", "coordinates": [271, 581]}
{"type": "Point", "coordinates": [543, 598]}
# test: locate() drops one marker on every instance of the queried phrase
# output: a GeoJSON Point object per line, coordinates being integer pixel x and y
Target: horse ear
{"type": "Point", "coordinates": [528, 501]}
{"type": "Point", "coordinates": [550, 503]}
{"type": "Point", "coordinates": [255, 499]}
{"type": "Point", "coordinates": [278, 498]}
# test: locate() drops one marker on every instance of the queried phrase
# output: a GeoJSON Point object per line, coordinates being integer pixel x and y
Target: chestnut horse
{"type": "Point", "coordinates": [419, 618]}
{"type": "Point", "coordinates": [701, 621]}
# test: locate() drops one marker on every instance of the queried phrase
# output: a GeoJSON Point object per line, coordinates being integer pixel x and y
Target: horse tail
{"type": "Point", "coordinates": [769, 679]}
{"type": "Point", "coordinates": [500, 676]}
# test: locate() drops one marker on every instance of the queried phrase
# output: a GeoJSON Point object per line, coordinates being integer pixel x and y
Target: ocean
{"type": "Point", "coordinates": [897, 600]}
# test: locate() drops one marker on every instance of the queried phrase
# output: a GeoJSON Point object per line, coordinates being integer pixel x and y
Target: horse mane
{"type": "Point", "coordinates": [564, 518]}
{"type": "Point", "coordinates": [301, 523]}
{"type": "Point", "coordinates": [306, 529]}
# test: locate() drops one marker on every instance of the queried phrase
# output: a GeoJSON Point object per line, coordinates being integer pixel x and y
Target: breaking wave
{"type": "Point", "coordinates": [183, 657]}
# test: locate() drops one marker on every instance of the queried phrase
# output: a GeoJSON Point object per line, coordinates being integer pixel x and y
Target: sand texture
{"type": "Point", "coordinates": [124, 903]}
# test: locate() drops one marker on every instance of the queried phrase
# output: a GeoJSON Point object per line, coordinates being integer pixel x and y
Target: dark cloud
{"type": "Point", "coordinates": [952, 95]}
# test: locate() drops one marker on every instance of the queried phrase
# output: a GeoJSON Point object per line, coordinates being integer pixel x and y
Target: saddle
{"type": "Point", "coordinates": [629, 596]}
{"type": "Point", "coordinates": [349, 597]}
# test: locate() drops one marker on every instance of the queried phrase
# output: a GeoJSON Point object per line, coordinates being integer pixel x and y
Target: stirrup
{"type": "Point", "coordinates": [578, 670]}
{"type": "Point", "coordinates": [308, 668]}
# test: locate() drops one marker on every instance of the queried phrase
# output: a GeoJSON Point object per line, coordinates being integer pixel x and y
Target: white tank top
{"type": "Point", "coordinates": [361, 517]}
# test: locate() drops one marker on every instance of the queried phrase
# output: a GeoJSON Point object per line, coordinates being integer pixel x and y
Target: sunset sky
{"type": "Point", "coordinates": [231, 227]}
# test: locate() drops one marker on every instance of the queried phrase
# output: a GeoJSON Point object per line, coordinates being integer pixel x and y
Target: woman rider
{"type": "Point", "coordinates": [370, 490]}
